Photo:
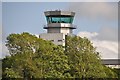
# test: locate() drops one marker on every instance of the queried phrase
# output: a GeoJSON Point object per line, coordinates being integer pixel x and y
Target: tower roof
{"type": "Point", "coordinates": [59, 13]}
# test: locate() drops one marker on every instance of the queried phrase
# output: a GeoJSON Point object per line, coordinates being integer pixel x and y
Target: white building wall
{"type": "Point", "coordinates": [65, 30]}
{"type": "Point", "coordinates": [56, 38]}
{"type": "Point", "coordinates": [60, 28]}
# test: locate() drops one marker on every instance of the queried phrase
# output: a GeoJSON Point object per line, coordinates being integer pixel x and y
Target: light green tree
{"type": "Point", "coordinates": [32, 57]}
{"type": "Point", "coordinates": [84, 60]}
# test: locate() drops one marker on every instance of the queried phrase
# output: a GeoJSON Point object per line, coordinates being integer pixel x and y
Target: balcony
{"type": "Point", "coordinates": [60, 25]}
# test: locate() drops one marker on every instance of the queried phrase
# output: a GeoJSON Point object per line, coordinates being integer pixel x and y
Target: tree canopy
{"type": "Point", "coordinates": [32, 57]}
{"type": "Point", "coordinates": [84, 60]}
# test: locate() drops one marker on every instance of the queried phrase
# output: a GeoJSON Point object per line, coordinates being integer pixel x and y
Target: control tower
{"type": "Point", "coordinates": [59, 24]}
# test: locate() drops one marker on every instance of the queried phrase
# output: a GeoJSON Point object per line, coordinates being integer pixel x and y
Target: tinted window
{"type": "Point", "coordinates": [59, 19]}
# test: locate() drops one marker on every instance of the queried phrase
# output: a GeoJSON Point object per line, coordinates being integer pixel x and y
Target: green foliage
{"type": "Point", "coordinates": [84, 59]}
{"type": "Point", "coordinates": [32, 57]}
{"type": "Point", "coordinates": [117, 71]}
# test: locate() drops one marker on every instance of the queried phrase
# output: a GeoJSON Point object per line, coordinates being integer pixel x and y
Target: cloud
{"type": "Point", "coordinates": [107, 49]}
{"type": "Point", "coordinates": [3, 48]}
{"type": "Point", "coordinates": [94, 10]}
{"type": "Point", "coordinates": [104, 42]}
{"type": "Point", "coordinates": [108, 33]}
{"type": "Point", "coordinates": [89, 35]}
{"type": "Point", "coordinates": [36, 35]}
{"type": "Point", "coordinates": [4, 51]}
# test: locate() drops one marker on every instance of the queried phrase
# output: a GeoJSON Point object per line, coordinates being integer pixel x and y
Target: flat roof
{"type": "Point", "coordinates": [111, 61]}
{"type": "Point", "coordinates": [58, 13]}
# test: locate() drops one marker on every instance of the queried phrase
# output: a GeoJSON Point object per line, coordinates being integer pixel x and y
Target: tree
{"type": "Point", "coordinates": [32, 57]}
{"type": "Point", "coordinates": [84, 60]}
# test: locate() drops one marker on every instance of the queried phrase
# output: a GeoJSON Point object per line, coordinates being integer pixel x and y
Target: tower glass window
{"type": "Point", "coordinates": [55, 19]}
{"type": "Point", "coordinates": [59, 19]}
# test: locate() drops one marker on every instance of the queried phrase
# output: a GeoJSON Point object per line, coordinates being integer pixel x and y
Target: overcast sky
{"type": "Point", "coordinates": [97, 21]}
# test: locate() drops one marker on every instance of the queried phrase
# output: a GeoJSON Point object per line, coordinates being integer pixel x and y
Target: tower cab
{"type": "Point", "coordinates": [59, 22]}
